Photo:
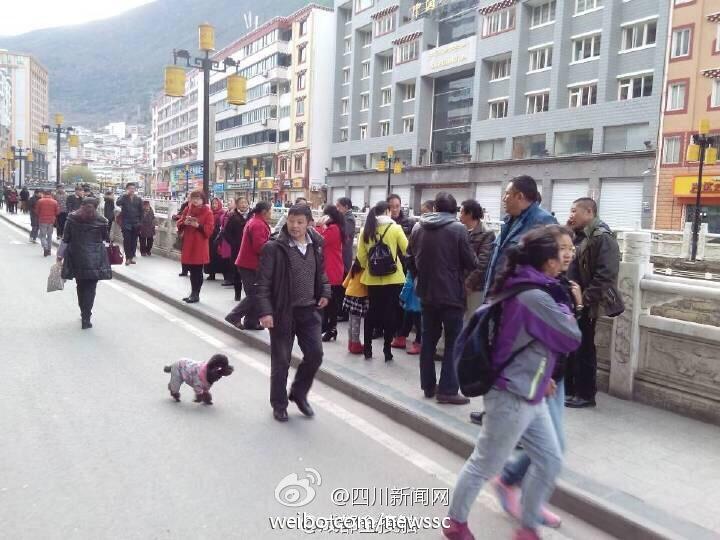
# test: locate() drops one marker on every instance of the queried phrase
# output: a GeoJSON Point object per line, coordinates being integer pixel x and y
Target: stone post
{"type": "Point", "coordinates": [702, 240]}
{"type": "Point", "coordinates": [686, 240]}
{"type": "Point", "coordinates": [625, 342]}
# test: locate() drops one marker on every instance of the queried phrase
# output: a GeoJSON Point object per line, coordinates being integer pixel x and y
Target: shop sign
{"type": "Point", "coordinates": [418, 9]}
{"type": "Point", "coordinates": [297, 183]}
{"type": "Point", "coordinates": [450, 56]}
{"type": "Point", "coordinates": [687, 186]}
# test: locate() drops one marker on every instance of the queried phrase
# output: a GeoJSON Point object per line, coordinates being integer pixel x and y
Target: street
{"type": "Point", "coordinates": [94, 447]}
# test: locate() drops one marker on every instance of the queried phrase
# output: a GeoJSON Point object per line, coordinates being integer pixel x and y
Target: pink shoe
{"type": "Point", "coordinates": [526, 534]}
{"type": "Point", "coordinates": [508, 496]}
{"type": "Point", "coordinates": [398, 343]}
{"type": "Point", "coordinates": [550, 519]}
{"type": "Point", "coordinates": [457, 531]}
{"type": "Point", "coordinates": [413, 348]}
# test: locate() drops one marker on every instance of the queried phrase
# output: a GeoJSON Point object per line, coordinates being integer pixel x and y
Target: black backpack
{"type": "Point", "coordinates": [474, 345]}
{"type": "Point", "coordinates": [380, 258]}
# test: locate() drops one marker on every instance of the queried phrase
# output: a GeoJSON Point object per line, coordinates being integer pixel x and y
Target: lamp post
{"type": "Point", "coordinates": [702, 149]}
{"type": "Point", "coordinates": [59, 130]}
{"type": "Point", "coordinates": [175, 85]}
{"type": "Point", "coordinates": [187, 180]}
{"type": "Point", "coordinates": [256, 172]}
{"type": "Point", "coordinates": [390, 162]}
{"type": "Point", "coordinates": [18, 153]}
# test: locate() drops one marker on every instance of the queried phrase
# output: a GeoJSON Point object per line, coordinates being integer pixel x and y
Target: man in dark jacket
{"type": "Point", "coordinates": [24, 197]}
{"type": "Point", "coordinates": [132, 211]}
{"type": "Point", "coordinates": [291, 287]}
{"type": "Point", "coordinates": [398, 215]}
{"type": "Point", "coordinates": [440, 256]}
{"type": "Point", "coordinates": [481, 242]}
{"type": "Point", "coordinates": [73, 202]}
{"type": "Point", "coordinates": [595, 269]}
{"type": "Point", "coordinates": [32, 207]}
{"type": "Point", "coordinates": [344, 206]}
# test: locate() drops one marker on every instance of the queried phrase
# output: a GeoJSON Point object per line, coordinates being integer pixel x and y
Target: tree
{"type": "Point", "coordinates": [77, 174]}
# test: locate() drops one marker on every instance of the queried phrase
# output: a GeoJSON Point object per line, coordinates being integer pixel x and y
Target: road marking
{"type": "Point", "coordinates": [14, 229]}
{"type": "Point", "coordinates": [399, 448]}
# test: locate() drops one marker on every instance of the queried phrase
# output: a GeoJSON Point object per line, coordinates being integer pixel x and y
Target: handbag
{"type": "Point", "coordinates": [55, 282]}
{"type": "Point", "coordinates": [114, 255]}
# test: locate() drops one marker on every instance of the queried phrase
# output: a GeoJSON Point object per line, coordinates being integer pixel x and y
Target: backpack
{"type": "Point", "coordinates": [380, 258]}
{"type": "Point", "coordinates": [474, 345]}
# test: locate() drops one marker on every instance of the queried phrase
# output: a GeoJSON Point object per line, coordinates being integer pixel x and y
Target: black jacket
{"type": "Point", "coordinates": [32, 203]}
{"type": "Point", "coordinates": [131, 211]}
{"type": "Point", "coordinates": [596, 268]}
{"type": "Point", "coordinates": [347, 250]}
{"type": "Point", "coordinates": [273, 287]}
{"type": "Point", "coordinates": [482, 243]}
{"type": "Point", "coordinates": [405, 222]}
{"type": "Point", "coordinates": [439, 256]}
{"type": "Point", "coordinates": [24, 195]}
{"type": "Point", "coordinates": [86, 256]}
{"type": "Point", "coordinates": [109, 209]}
{"type": "Point", "coordinates": [233, 232]}
{"type": "Point", "coordinates": [73, 203]}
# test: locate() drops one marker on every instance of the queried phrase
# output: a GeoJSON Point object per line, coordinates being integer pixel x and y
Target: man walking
{"type": "Point", "coordinates": [32, 208]}
{"type": "Point", "coordinates": [61, 198]}
{"type": "Point", "coordinates": [595, 269]}
{"type": "Point", "coordinates": [47, 211]}
{"type": "Point", "coordinates": [130, 217]}
{"type": "Point", "coordinates": [292, 286]}
{"type": "Point", "coordinates": [440, 256]}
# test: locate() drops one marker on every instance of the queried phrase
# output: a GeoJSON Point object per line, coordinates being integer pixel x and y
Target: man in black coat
{"type": "Point", "coordinates": [440, 256]}
{"type": "Point", "coordinates": [32, 205]}
{"type": "Point", "coordinates": [131, 205]}
{"type": "Point", "coordinates": [595, 269]}
{"type": "Point", "coordinates": [292, 287]}
{"type": "Point", "coordinates": [74, 201]}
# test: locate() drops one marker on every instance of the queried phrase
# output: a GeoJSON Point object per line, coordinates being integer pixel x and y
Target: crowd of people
{"type": "Point", "coordinates": [404, 275]}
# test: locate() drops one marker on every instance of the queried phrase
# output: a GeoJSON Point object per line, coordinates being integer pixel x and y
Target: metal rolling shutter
{"type": "Point", "coordinates": [564, 192]}
{"type": "Point", "coordinates": [377, 194]}
{"type": "Point", "coordinates": [460, 194]}
{"type": "Point", "coordinates": [490, 198]}
{"type": "Point", "coordinates": [404, 194]}
{"type": "Point", "coordinates": [337, 192]}
{"type": "Point", "coordinates": [357, 196]}
{"type": "Point", "coordinates": [620, 203]}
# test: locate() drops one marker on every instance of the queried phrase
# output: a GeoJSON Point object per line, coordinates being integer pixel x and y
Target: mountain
{"type": "Point", "coordinates": [108, 70]}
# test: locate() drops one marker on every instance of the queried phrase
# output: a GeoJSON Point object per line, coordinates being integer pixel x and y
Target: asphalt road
{"type": "Point", "coordinates": [93, 447]}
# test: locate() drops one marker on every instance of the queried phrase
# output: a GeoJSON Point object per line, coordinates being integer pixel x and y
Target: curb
{"type": "Point", "coordinates": [607, 516]}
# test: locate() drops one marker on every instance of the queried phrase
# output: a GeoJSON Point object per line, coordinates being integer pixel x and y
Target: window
{"type": "Point", "coordinates": [586, 48]}
{"type": "Point", "coordinates": [529, 146]}
{"type": "Point", "coordinates": [676, 97]}
{"type": "Point", "coordinates": [638, 35]}
{"type": "Point", "coordinates": [345, 106]}
{"type": "Point", "coordinates": [365, 39]}
{"type": "Point", "coordinates": [346, 75]}
{"type": "Point", "coordinates": [499, 21]}
{"type": "Point", "coordinates": [363, 131]}
{"type": "Point", "coordinates": [343, 134]}
{"type": "Point", "coordinates": [542, 14]}
{"type": "Point", "coordinates": [680, 45]}
{"type": "Point", "coordinates": [500, 70]}
{"type": "Point", "coordinates": [671, 149]}
{"type": "Point", "coordinates": [347, 45]}
{"type": "Point", "coordinates": [387, 63]}
{"type": "Point", "coordinates": [583, 6]}
{"type": "Point", "coordinates": [573, 142]}
{"type": "Point", "coordinates": [302, 54]}
{"type": "Point", "coordinates": [362, 5]}
{"type": "Point", "coordinates": [299, 132]}
{"type": "Point", "coordinates": [537, 103]}
{"type": "Point", "coordinates": [715, 94]}
{"type": "Point", "coordinates": [301, 81]}
{"type": "Point", "coordinates": [365, 69]}
{"type": "Point", "coordinates": [385, 97]}
{"type": "Point", "coordinates": [717, 39]}
{"type": "Point", "coordinates": [490, 150]}
{"type": "Point", "coordinates": [408, 124]}
{"type": "Point", "coordinates": [582, 96]}
{"type": "Point", "coordinates": [298, 164]}
{"type": "Point", "coordinates": [498, 108]}
{"type": "Point", "coordinates": [540, 58]}
{"type": "Point", "coordinates": [384, 128]}
{"type": "Point", "coordinates": [626, 138]}
{"type": "Point", "coordinates": [385, 25]}
{"type": "Point", "coordinates": [346, 15]}
{"type": "Point", "coordinates": [300, 107]}
{"type": "Point", "coordinates": [635, 87]}
{"type": "Point", "coordinates": [283, 165]}
{"type": "Point", "coordinates": [409, 92]}
{"type": "Point", "coordinates": [364, 101]}
{"type": "Point", "coordinates": [407, 52]}
{"type": "Point", "coordinates": [302, 27]}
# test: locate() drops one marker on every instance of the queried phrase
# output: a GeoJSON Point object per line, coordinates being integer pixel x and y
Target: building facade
{"type": "Point", "coordinates": [5, 116]}
{"type": "Point", "coordinates": [470, 94]}
{"type": "Point", "coordinates": [692, 93]}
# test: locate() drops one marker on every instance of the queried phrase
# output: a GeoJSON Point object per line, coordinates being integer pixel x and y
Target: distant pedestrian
{"type": "Point", "coordinates": [2, 196]}
{"type": "Point", "coordinates": [223, 247]}
{"type": "Point", "coordinates": [148, 225]}
{"type": "Point", "coordinates": [74, 200]}
{"type": "Point", "coordinates": [332, 229]}
{"type": "Point", "coordinates": [109, 208]}
{"type": "Point", "coordinates": [61, 198]}
{"type": "Point", "coordinates": [234, 230]}
{"type": "Point", "coordinates": [32, 209]}
{"type": "Point", "coordinates": [292, 285]}
{"type": "Point", "coordinates": [481, 242]}
{"type": "Point", "coordinates": [216, 264]}
{"type": "Point", "coordinates": [184, 269]}
{"type": "Point", "coordinates": [356, 304]}
{"type": "Point", "coordinates": [196, 226]}
{"type": "Point", "coordinates": [300, 201]}
{"type": "Point", "coordinates": [47, 210]}
{"type": "Point", "coordinates": [84, 255]}
{"type": "Point", "coordinates": [12, 198]}
{"type": "Point", "coordinates": [131, 206]}
{"type": "Point", "coordinates": [24, 197]}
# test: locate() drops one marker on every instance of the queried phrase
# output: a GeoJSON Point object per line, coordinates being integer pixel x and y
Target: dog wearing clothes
{"type": "Point", "coordinates": [199, 375]}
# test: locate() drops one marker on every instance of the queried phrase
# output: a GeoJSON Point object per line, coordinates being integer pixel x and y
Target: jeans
{"type": "Point", "coordinates": [46, 234]}
{"type": "Point", "coordinates": [434, 320]}
{"type": "Point", "coordinates": [146, 244]}
{"type": "Point", "coordinates": [86, 289]}
{"type": "Point", "coordinates": [581, 371]}
{"type": "Point", "coordinates": [305, 325]}
{"type": "Point", "coordinates": [509, 419]}
{"type": "Point", "coordinates": [515, 469]}
{"type": "Point", "coordinates": [196, 277]}
{"type": "Point", "coordinates": [130, 241]}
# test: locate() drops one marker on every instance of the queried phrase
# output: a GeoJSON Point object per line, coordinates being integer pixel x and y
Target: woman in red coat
{"type": "Point", "coordinates": [332, 228]}
{"type": "Point", "coordinates": [196, 226]}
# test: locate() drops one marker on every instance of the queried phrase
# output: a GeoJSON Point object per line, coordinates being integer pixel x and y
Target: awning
{"type": "Point", "coordinates": [714, 17]}
{"type": "Point", "coordinates": [487, 10]}
{"type": "Point", "coordinates": [383, 12]}
{"type": "Point", "coordinates": [713, 73]}
{"type": "Point", "coordinates": [407, 38]}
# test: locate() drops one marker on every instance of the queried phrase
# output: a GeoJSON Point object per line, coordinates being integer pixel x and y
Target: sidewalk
{"type": "Point", "coordinates": [648, 469]}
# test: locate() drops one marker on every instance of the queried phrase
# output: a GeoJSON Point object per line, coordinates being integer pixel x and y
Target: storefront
{"type": "Point", "coordinates": [685, 191]}
{"type": "Point", "coordinates": [186, 178]}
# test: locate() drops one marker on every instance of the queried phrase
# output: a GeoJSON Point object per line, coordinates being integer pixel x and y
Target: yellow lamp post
{"type": "Point", "coordinates": [391, 163]}
{"type": "Point", "coordinates": [19, 154]}
{"type": "Point", "coordinates": [701, 149]}
{"type": "Point", "coordinates": [58, 129]}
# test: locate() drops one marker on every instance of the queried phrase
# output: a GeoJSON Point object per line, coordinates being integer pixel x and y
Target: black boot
{"type": "Point", "coordinates": [330, 335]}
{"type": "Point", "coordinates": [86, 323]}
{"type": "Point", "coordinates": [194, 298]}
{"type": "Point", "coordinates": [367, 351]}
{"type": "Point", "coordinates": [387, 351]}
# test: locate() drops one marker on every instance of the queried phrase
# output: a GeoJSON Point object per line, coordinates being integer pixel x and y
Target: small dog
{"type": "Point", "coordinates": [201, 376]}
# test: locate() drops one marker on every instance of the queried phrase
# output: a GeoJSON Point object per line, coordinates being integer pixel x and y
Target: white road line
{"type": "Point", "coordinates": [399, 448]}
{"type": "Point", "coordinates": [14, 229]}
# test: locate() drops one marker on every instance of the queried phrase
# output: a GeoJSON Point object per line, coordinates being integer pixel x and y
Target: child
{"type": "Point", "coordinates": [147, 229]}
{"type": "Point", "coordinates": [356, 304]}
{"type": "Point", "coordinates": [411, 304]}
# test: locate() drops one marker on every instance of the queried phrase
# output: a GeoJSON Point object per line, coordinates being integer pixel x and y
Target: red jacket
{"type": "Point", "coordinates": [332, 251]}
{"type": "Point", "coordinates": [255, 236]}
{"type": "Point", "coordinates": [196, 248]}
{"type": "Point", "coordinates": [47, 210]}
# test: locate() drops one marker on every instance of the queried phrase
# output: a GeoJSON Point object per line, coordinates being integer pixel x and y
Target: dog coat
{"type": "Point", "coordinates": [191, 373]}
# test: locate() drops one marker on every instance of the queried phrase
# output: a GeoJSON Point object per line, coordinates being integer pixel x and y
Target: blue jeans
{"type": "Point", "coordinates": [516, 467]}
{"type": "Point", "coordinates": [508, 419]}
{"type": "Point", "coordinates": [434, 320]}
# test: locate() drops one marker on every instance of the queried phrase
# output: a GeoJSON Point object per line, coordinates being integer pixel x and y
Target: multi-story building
{"type": "Point", "coordinates": [5, 116]}
{"type": "Point", "coordinates": [470, 94]}
{"type": "Point", "coordinates": [29, 81]}
{"type": "Point", "coordinates": [692, 93]}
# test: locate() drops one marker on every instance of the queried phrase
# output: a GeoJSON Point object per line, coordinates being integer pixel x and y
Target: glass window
{"type": "Point", "coordinates": [581, 6]}
{"type": "Point", "coordinates": [636, 36]}
{"type": "Point", "coordinates": [345, 106]}
{"type": "Point", "coordinates": [365, 69]}
{"type": "Point", "coordinates": [300, 107]}
{"type": "Point", "coordinates": [540, 58]}
{"type": "Point", "coordinates": [408, 125]}
{"type": "Point", "coordinates": [499, 21]}
{"type": "Point", "coordinates": [365, 39]}
{"type": "Point", "coordinates": [537, 103]}
{"type": "Point", "coordinates": [586, 47]}
{"type": "Point", "coordinates": [384, 128]}
{"type": "Point", "coordinates": [299, 132]}
{"type": "Point", "coordinates": [498, 108]}
{"type": "Point", "coordinates": [347, 45]}
{"type": "Point", "coordinates": [385, 25]}
{"type": "Point", "coordinates": [542, 14]}
{"type": "Point", "coordinates": [387, 63]}
{"type": "Point", "coordinates": [363, 131]}
{"type": "Point", "coordinates": [680, 45]}
{"type": "Point", "coordinates": [635, 87]}
{"type": "Point", "coordinates": [574, 142]}
{"type": "Point", "coordinates": [362, 5]}
{"type": "Point", "coordinates": [715, 94]}
{"type": "Point", "coordinates": [302, 54]}
{"type": "Point", "coordinates": [529, 146]}
{"type": "Point", "coordinates": [490, 150]}
{"type": "Point", "coordinates": [456, 20]}
{"type": "Point", "coordinates": [298, 164]}
{"type": "Point", "coordinates": [409, 92]}
{"type": "Point", "coordinates": [625, 138]}
{"type": "Point", "coordinates": [500, 69]}
{"type": "Point", "coordinates": [676, 96]}
{"type": "Point", "coordinates": [671, 149]}
{"type": "Point", "coordinates": [452, 116]}
{"type": "Point", "coordinates": [581, 96]}
{"type": "Point", "coordinates": [346, 75]}
{"type": "Point", "coordinates": [385, 96]}
{"type": "Point", "coordinates": [301, 81]}
{"type": "Point", "coordinates": [364, 101]}
{"type": "Point", "coordinates": [302, 27]}
{"type": "Point", "coordinates": [407, 52]}
{"type": "Point", "coordinates": [343, 134]}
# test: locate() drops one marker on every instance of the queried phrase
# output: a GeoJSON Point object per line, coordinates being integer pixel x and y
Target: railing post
{"type": "Point", "coordinates": [702, 240]}
{"type": "Point", "coordinates": [686, 239]}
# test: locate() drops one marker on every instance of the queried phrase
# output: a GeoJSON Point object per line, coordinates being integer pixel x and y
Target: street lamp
{"type": "Point", "coordinates": [175, 85]}
{"type": "Point", "coordinates": [256, 171]}
{"type": "Point", "coordinates": [187, 180]}
{"type": "Point", "coordinates": [391, 163]}
{"type": "Point", "coordinates": [18, 153]}
{"type": "Point", "coordinates": [73, 141]}
{"type": "Point", "coordinates": [701, 150]}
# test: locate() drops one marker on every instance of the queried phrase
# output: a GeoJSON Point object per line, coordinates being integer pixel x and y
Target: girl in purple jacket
{"type": "Point", "coordinates": [515, 408]}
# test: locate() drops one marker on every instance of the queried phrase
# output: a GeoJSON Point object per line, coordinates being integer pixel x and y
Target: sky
{"type": "Point", "coordinates": [18, 18]}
